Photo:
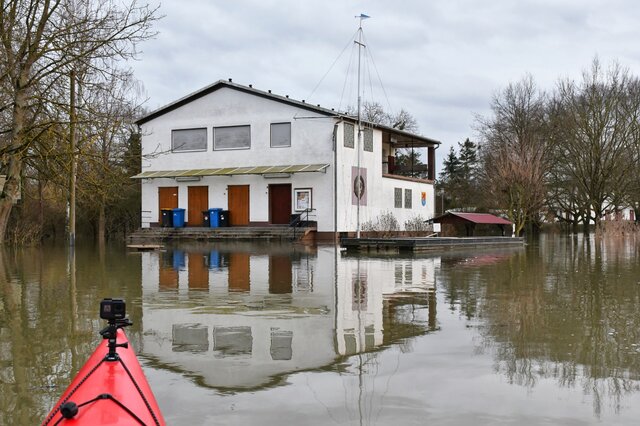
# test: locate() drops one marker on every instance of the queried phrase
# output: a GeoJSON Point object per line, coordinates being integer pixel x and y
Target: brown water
{"type": "Point", "coordinates": [278, 334]}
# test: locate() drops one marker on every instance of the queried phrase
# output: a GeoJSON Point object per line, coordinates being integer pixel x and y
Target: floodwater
{"type": "Point", "coordinates": [240, 334]}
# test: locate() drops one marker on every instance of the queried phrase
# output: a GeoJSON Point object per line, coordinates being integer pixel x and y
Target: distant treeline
{"type": "Point", "coordinates": [571, 155]}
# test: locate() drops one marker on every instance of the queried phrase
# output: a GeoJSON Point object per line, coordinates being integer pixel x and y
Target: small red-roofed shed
{"type": "Point", "coordinates": [469, 221]}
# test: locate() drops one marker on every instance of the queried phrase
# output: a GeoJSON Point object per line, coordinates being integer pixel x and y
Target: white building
{"type": "Point", "coordinates": [239, 317]}
{"type": "Point", "coordinates": [264, 157]}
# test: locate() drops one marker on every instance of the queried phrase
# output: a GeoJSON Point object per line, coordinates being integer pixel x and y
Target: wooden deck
{"type": "Point", "coordinates": [426, 243]}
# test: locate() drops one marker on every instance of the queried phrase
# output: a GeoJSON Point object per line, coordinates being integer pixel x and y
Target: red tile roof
{"type": "Point", "coordinates": [479, 218]}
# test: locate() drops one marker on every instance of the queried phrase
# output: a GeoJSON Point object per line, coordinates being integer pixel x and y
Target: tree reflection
{"type": "Point", "coordinates": [564, 309]}
{"type": "Point", "coordinates": [48, 326]}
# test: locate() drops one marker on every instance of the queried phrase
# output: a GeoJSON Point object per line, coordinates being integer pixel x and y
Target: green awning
{"type": "Point", "coordinates": [229, 171]}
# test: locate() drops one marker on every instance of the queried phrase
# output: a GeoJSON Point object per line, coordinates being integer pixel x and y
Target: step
{"type": "Point", "coordinates": [200, 233]}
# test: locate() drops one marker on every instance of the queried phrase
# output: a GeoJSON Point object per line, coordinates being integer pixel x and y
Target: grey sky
{"type": "Point", "coordinates": [442, 60]}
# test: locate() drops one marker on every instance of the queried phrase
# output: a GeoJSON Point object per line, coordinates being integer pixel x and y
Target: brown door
{"type": "Point", "coordinates": [167, 199]}
{"type": "Point", "coordinates": [280, 203]}
{"type": "Point", "coordinates": [238, 205]}
{"type": "Point", "coordinates": [198, 272]}
{"type": "Point", "coordinates": [198, 201]}
{"type": "Point", "coordinates": [239, 272]}
{"type": "Point", "coordinates": [280, 275]}
{"type": "Point", "coordinates": [168, 279]}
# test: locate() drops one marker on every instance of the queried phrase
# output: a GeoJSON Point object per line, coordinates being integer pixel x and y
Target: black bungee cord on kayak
{"type": "Point", "coordinates": [114, 311]}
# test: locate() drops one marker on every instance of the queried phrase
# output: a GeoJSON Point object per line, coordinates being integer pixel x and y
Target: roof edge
{"type": "Point", "coordinates": [277, 98]}
{"type": "Point", "coordinates": [231, 85]}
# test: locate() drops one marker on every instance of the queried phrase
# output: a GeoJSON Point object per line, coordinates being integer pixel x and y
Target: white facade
{"type": "Point", "coordinates": [317, 138]}
{"type": "Point", "coordinates": [248, 339]}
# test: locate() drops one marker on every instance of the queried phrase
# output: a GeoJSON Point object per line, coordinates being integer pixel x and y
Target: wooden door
{"type": "Point", "coordinates": [238, 196]}
{"type": "Point", "coordinates": [280, 275]}
{"type": "Point", "coordinates": [198, 201]}
{"type": "Point", "coordinates": [239, 272]}
{"type": "Point", "coordinates": [168, 279]}
{"type": "Point", "coordinates": [280, 203]}
{"type": "Point", "coordinates": [198, 272]}
{"type": "Point", "coordinates": [167, 199]}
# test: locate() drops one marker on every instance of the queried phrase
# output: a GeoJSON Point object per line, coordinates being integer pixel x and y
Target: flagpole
{"type": "Point", "coordinates": [359, 185]}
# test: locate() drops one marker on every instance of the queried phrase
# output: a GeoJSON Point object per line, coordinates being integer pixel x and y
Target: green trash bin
{"type": "Point", "coordinates": [224, 218]}
{"type": "Point", "coordinates": [166, 218]}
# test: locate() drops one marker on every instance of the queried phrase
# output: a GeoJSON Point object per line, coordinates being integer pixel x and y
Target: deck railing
{"type": "Point", "coordinates": [300, 220]}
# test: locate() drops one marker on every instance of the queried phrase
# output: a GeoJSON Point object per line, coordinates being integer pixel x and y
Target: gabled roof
{"type": "Point", "coordinates": [277, 98]}
{"type": "Point", "coordinates": [230, 84]}
{"type": "Point", "coordinates": [477, 218]}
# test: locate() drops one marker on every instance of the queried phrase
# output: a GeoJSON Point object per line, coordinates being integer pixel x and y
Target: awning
{"type": "Point", "coordinates": [230, 171]}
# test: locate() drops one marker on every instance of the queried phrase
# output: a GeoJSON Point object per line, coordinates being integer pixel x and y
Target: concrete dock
{"type": "Point", "coordinates": [414, 244]}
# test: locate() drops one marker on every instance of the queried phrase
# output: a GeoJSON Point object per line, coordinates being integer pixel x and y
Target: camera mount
{"type": "Point", "coordinates": [113, 310]}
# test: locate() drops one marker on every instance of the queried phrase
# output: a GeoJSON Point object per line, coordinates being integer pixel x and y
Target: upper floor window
{"type": "Point", "coordinates": [185, 140]}
{"type": "Point", "coordinates": [368, 139]}
{"type": "Point", "coordinates": [232, 137]}
{"type": "Point", "coordinates": [348, 135]}
{"type": "Point", "coordinates": [397, 198]}
{"type": "Point", "coordinates": [407, 199]}
{"type": "Point", "coordinates": [280, 135]}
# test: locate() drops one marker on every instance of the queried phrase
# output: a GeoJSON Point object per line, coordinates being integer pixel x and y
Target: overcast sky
{"type": "Point", "coordinates": [441, 60]}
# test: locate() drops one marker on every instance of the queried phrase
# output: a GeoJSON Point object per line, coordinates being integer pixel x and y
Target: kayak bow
{"type": "Point", "coordinates": [109, 389]}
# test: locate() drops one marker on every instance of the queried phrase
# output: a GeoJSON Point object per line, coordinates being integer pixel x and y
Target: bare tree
{"type": "Point", "coordinates": [373, 112]}
{"type": "Point", "coordinates": [108, 110]}
{"type": "Point", "coordinates": [41, 41]}
{"type": "Point", "coordinates": [514, 154]}
{"type": "Point", "coordinates": [596, 139]}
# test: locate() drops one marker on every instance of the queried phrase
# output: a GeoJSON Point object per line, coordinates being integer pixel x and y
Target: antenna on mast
{"type": "Point", "coordinates": [359, 184]}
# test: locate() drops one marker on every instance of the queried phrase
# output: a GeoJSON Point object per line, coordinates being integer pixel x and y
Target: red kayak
{"type": "Point", "coordinates": [111, 388]}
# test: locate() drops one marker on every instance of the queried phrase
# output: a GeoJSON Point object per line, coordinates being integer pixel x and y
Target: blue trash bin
{"type": "Point", "coordinates": [178, 218]}
{"type": "Point", "coordinates": [178, 260]}
{"type": "Point", "coordinates": [214, 217]}
{"type": "Point", "coordinates": [214, 259]}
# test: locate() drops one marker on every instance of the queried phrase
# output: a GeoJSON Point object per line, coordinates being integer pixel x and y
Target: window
{"type": "Point", "coordinates": [397, 198]}
{"type": "Point", "coordinates": [189, 140]}
{"type": "Point", "coordinates": [348, 135]}
{"type": "Point", "coordinates": [232, 137]}
{"type": "Point", "coordinates": [280, 135]}
{"type": "Point", "coordinates": [368, 140]}
{"type": "Point", "coordinates": [407, 198]}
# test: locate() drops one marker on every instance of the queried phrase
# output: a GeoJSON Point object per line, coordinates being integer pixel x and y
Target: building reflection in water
{"type": "Point", "coordinates": [245, 316]}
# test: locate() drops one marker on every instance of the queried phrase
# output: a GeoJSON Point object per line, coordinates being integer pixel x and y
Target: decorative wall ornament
{"type": "Point", "coordinates": [359, 186]}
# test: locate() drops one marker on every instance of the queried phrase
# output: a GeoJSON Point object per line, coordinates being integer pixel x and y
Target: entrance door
{"type": "Point", "coordinates": [239, 265]}
{"type": "Point", "coordinates": [280, 203]}
{"type": "Point", "coordinates": [198, 272]}
{"type": "Point", "coordinates": [238, 205]}
{"type": "Point", "coordinates": [198, 201]}
{"type": "Point", "coordinates": [280, 275]}
{"type": "Point", "coordinates": [167, 199]}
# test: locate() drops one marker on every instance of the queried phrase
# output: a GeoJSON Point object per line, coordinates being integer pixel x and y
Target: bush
{"type": "Point", "coordinates": [417, 224]}
{"type": "Point", "coordinates": [384, 225]}
{"type": "Point", "coordinates": [617, 228]}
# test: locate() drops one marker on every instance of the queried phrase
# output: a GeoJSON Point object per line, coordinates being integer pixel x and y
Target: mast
{"type": "Point", "coordinates": [359, 184]}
